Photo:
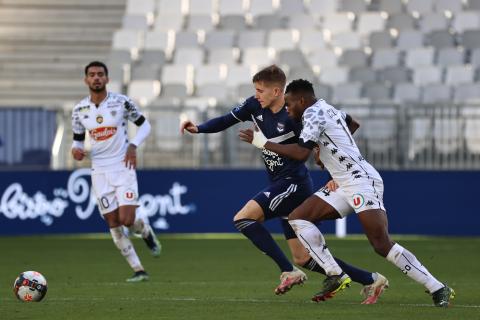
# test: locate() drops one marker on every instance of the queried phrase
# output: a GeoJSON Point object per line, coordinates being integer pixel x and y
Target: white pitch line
{"type": "Point", "coordinates": [223, 299]}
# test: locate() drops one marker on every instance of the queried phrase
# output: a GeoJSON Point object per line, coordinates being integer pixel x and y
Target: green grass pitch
{"type": "Point", "coordinates": [227, 278]}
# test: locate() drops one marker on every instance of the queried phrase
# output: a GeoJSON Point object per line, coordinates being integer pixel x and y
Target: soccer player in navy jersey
{"type": "Point", "coordinates": [290, 184]}
{"type": "Point", "coordinates": [360, 190]}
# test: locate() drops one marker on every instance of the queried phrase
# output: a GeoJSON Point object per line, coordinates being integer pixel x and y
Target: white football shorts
{"type": "Point", "coordinates": [115, 188]}
{"type": "Point", "coordinates": [354, 199]}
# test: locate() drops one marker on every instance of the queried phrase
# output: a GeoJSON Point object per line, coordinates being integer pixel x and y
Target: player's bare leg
{"type": "Point", "coordinates": [124, 244]}
{"type": "Point", "coordinates": [375, 225]}
{"type": "Point", "coordinates": [249, 222]}
{"type": "Point", "coordinates": [301, 219]}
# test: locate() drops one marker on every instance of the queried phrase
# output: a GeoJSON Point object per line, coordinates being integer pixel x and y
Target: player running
{"type": "Point", "coordinates": [360, 189]}
{"type": "Point", "coordinates": [104, 115]}
{"type": "Point", "coordinates": [290, 184]}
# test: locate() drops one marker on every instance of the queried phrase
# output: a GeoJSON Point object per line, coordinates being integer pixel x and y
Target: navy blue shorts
{"type": "Point", "coordinates": [280, 198]}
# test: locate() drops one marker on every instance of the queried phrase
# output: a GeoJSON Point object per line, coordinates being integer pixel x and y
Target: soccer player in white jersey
{"type": "Point", "coordinates": [104, 115]}
{"type": "Point", "coordinates": [360, 189]}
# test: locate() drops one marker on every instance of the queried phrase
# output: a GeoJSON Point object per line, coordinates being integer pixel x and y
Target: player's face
{"type": "Point", "coordinates": [96, 79]}
{"type": "Point", "coordinates": [267, 94]}
{"type": "Point", "coordinates": [295, 106]}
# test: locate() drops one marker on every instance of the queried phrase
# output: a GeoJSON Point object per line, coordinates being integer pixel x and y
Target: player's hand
{"type": "Point", "coordinates": [255, 137]}
{"type": "Point", "coordinates": [189, 126]}
{"type": "Point", "coordinates": [78, 154]}
{"type": "Point", "coordinates": [131, 157]}
{"type": "Point", "coordinates": [246, 135]}
{"type": "Point", "coordinates": [332, 185]}
{"type": "Point", "coordinates": [316, 156]}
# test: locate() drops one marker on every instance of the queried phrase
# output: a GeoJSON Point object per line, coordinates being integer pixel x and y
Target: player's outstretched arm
{"type": "Point", "coordinates": [188, 126]}
{"type": "Point", "coordinates": [292, 151]}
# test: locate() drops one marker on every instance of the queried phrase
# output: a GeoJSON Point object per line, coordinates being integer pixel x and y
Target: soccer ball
{"type": "Point", "coordinates": [30, 286]}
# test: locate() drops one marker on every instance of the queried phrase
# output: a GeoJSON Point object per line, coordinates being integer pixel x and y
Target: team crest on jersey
{"type": "Point", "coordinates": [129, 195]}
{"type": "Point", "coordinates": [280, 127]}
{"type": "Point", "coordinates": [102, 133]}
{"type": "Point", "coordinates": [99, 119]}
{"type": "Point", "coordinates": [358, 200]}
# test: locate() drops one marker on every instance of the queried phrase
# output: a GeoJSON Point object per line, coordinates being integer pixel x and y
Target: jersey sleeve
{"type": "Point", "coordinates": [313, 127]}
{"type": "Point", "coordinates": [244, 111]}
{"type": "Point", "coordinates": [132, 112]}
{"type": "Point", "coordinates": [77, 126]}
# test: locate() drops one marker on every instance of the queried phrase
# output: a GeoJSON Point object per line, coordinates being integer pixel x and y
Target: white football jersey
{"type": "Point", "coordinates": [326, 126]}
{"type": "Point", "coordinates": [107, 127]}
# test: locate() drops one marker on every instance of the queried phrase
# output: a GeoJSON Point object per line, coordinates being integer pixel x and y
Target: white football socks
{"type": "Point", "coordinates": [313, 240]}
{"type": "Point", "coordinates": [408, 264]}
{"type": "Point", "coordinates": [125, 246]}
{"type": "Point", "coordinates": [139, 227]}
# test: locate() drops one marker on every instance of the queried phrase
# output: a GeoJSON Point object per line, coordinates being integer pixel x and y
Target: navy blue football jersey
{"type": "Point", "coordinates": [277, 127]}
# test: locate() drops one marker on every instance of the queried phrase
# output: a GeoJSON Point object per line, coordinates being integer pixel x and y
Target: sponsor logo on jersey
{"type": "Point", "coordinates": [358, 200]}
{"type": "Point", "coordinates": [84, 108]}
{"type": "Point", "coordinates": [267, 194]}
{"type": "Point", "coordinates": [280, 127]}
{"type": "Point", "coordinates": [129, 195]}
{"type": "Point", "coordinates": [102, 133]}
{"type": "Point", "coordinates": [260, 117]}
{"type": "Point", "coordinates": [99, 119]}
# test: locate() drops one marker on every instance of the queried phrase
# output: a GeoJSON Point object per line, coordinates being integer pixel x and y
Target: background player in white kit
{"type": "Point", "coordinates": [360, 189]}
{"type": "Point", "coordinates": [104, 115]}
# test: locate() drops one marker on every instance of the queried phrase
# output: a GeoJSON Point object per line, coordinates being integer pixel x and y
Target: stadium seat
{"type": "Point", "coordinates": [186, 39]}
{"type": "Point", "coordinates": [144, 91]}
{"type": "Point", "coordinates": [291, 7]}
{"type": "Point", "coordinates": [238, 74]}
{"type": "Point", "coordinates": [167, 21]}
{"type": "Point", "coordinates": [322, 91]}
{"type": "Point", "coordinates": [178, 75]}
{"type": "Point", "coordinates": [333, 75]}
{"type": "Point", "coordinates": [419, 57]}
{"type": "Point", "coordinates": [261, 7]}
{"type": "Point", "coordinates": [466, 20]}
{"type": "Point", "coordinates": [432, 22]}
{"type": "Point", "coordinates": [337, 22]}
{"type": "Point", "coordinates": [136, 22]}
{"type": "Point", "coordinates": [382, 58]}
{"type": "Point", "coordinates": [390, 6]}
{"type": "Point", "coordinates": [291, 58]}
{"type": "Point", "coordinates": [311, 40]}
{"type": "Point", "coordinates": [233, 22]}
{"type": "Point", "coordinates": [420, 6]}
{"type": "Point", "coordinates": [252, 39]}
{"type": "Point", "coordinates": [369, 22]}
{"type": "Point", "coordinates": [322, 7]}
{"type": "Point", "coordinates": [470, 39]}
{"type": "Point", "coordinates": [440, 39]}
{"type": "Point", "coordinates": [452, 6]}
{"type": "Point", "coordinates": [450, 57]}
{"type": "Point", "coordinates": [377, 92]}
{"type": "Point", "coordinates": [229, 56]}
{"type": "Point", "coordinates": [302, 21]}
{"type": "Point", "coordinates": [201, 7]}
{"type": "Point", "coordinates": [322, 58]}
{"type": "Point", "coordinates": [347, 92]}
{"type": "Point", "coordinates": [231, 7]}
{"type": "Point", "coordinates": [362, 74]}
{"type": "Point", "coordinates": [280, 39]}
{"type": "Point", "coordinates": [396, 74]}
{"type": "Point", "coordinates": [427, 75]}
{"type": "Point", "coordinates": [406, 92]}
{"type": "Point", "coordinates": [409, 39]}
{"type": "Point", "coordinates": [173, 8]}
{"type": "Point", "coordinates": [459, 74]}
{"type": "Point", "coordinates": [269, 22]}
{"type": "Point", "coordinates": [401, 21]}
{"type": "Point", "coordinates": [200, 22]}
{"type": "Point", "coordinates": [260, 57]}
{"type": "Point", "coordinates": [193, 56]}
{"type": "Point", "coordinates": [220, 39]}
{"type": "Point", "coordinates": [353, 58]}
{"type": "Point", "coordinates": [465, 93]}
{"type": "Point", "coordinates": [355, 6]}
{"type": "Point", "coordinates": [436, 93]}
{"type": "Point", "coordinates": [472, 129]}
{"type": "Point", "coordinates": [139, 7]}
{"type": "Point", "coordinates": [346, 40]}
{"type": "Point", "coordinates": [420, 135]}
{"type": "Point", "coordinates": [147, 70]}
{"type": "Point", "coordinates": [380, 40]}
